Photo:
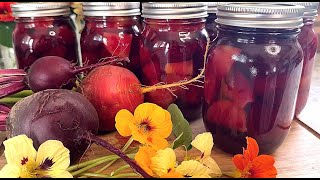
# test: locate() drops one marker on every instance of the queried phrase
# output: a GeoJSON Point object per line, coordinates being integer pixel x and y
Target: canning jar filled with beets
{"type": "Point", "coordinates": [252, 75]}
{"type": "Point", "coordinates": [111, 30]}
{"type": "Point", "coordinates": [43, 29]}
{"type": "Point", "coordinates": [174, 43]}
{"type": "Point", "coordinates": [308, 40]}
{"type": "Point", "coordinates": [210, 21]}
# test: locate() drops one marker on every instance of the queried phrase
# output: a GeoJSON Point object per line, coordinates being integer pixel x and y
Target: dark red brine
{"type": "Point", "coordinates": [41, 32]}
{"type": "Point", "coordinates": [111, 29]}
{"type": "Point", "coordinates": [172, 50]}
{"type": "Point", "coordinates": [252, 77]}
{"type": "Point", "coordinates": [308, 40]}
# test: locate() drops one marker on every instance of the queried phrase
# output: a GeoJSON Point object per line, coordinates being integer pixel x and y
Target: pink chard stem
{"type": "Point", "coordinates": [12, 88]}
{"type": "Point", "coordinates": [12, 72]}
{"type": "Point", "coordinates": [11, 79]}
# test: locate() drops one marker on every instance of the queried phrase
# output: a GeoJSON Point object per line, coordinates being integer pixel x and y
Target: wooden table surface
{"type": "Point", "coordinates": [298, 156]}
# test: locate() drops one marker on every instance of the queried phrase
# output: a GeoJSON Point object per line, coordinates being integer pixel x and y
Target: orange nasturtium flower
{"type": "Point", "coordinates": [51, 160]}
{"type": "Point", "coordinates": [150, 125]}
{"type": "Point", "coordinates": [250, 165]}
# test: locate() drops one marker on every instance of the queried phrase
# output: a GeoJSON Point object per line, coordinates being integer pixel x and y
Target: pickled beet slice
{"type": "Point", "coordinates": [222, 59]}
{"type": "Point", "coordinates": [66, 34]}
{"type": "Point", "coordinates": [57, 51]}
{"type": "Point", "coordinates": [162, 97]}
{"type": "Point", "coordinates": [152, 72]}
{"type": "Point", "coordinates": [179, 51]}
{"type": "Point", "coordinates": [211, 84]}
{"type": "Point", "coordinates": [237, 88]}
{"type": "Point", "coordinates": [227, 114]}
{"type": "Point", "coordinates": [118, 44]}
{"type": "Point", "coordinates": [183, 68]}
{"type": "Point", "coordinates": [145, 55]}
{"type": "Point", "coordinates": [192, 96]}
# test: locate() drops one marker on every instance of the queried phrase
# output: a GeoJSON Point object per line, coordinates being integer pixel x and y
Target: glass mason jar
{"type": "Point", "coordinates": [174, 41]}
{"type": "Point", "coordinates": [210, 21]}
{"type": "Point", "coordinates": [43, 29]}
{"type": "Point", "coordinates": [308, 40]}
{"type": "Point", "coordinates": [252, 75]}
{"type": "Point", "coordinates": [111, 29]}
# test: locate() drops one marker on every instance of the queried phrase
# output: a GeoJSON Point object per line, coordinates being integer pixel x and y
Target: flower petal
{"type": "Point", "coordinates": [163, 161]}
{"type": "Point", "coordinates": [10, 171]}
{"type": "Point", "coordinates": [123, 119]}
{"type": "Point", "coordinates": [240, 162]}
{"type": "Point", "coordinates": [193, 168]}
{"type": "Point", "coordinates": [52, 155]}
{"type": "Point", "coordinates": [144, 110]}
{"type": "Point", "coordinates": [157, 142]}
{"type": "Point", "coordinates": [204, 143]}
{"type": "Point", "coordinates": [143, 158]}
{"type": "Point", "coordinates": [172, 174]}
{"type": "Point", "coordinates": [263, 166]}
{"type": "Point", "coordinates": [19, 151]}
{"type": "Point", "coordinates": [215, 170]}
{"type": "Point", "coordinates": [161, 122]}
{"type": "Point", "coordinates": [252, 148]}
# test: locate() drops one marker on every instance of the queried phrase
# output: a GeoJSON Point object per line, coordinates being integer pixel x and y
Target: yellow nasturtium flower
{"type": "Point", "coordinates": [150, 125]}
{"type": "Point", "coordinates": [23, 161]}
{"type": "Point", "coordinates": [193, 168]}
{"type": "Point", "coordinates": [204, 143]}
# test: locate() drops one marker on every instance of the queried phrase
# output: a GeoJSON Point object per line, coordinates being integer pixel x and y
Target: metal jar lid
{"type": "Point", "coordinates": [174, 10]}
{"type": "Point", "coordinates": [310, 9]}
{"type": "Point", "coordinates": [40, 9]}
{"type": "Point", "coordinates": [213, 6]}
{"type": "Point", "coordinates": [111, 8]}
{"type": "Point", "coordinates": [260, 15]}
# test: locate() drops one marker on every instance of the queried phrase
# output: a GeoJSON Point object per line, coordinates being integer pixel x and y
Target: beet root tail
{"type": "Point", "coordinates": [118, 152]}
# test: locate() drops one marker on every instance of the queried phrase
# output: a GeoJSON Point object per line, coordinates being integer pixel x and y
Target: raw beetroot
{"type": "Point", "coordinates": [110, 89]}
{"type": "Point", "coordinates": [54, 114]}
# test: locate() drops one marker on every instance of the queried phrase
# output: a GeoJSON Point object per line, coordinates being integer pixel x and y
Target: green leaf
{"type": "Point", "coordinates": [181, 127]}
{"type": "Point", "coordinates": [6, 29]}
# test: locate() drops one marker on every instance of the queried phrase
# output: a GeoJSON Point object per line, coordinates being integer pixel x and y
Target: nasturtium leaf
{"type": "Point", "coordinates": [180, 126]}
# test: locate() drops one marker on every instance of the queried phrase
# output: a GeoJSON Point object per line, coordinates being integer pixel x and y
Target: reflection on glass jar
{"type": "Point", "coordinates": [172, 50]}
{"type": "Point", "coordinates": [252, 77]}
{"type": "Point", "coordinates": [45, 30]}
{"type": "Point", "coordinates": [112, 30]}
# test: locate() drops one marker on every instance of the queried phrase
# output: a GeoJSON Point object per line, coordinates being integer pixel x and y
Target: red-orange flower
{"type": "Point", "coordinates": [6, 12]}
{"type": "Point", "coordinates": [250, 165]}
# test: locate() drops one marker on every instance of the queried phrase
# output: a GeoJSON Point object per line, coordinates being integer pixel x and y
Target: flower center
{"type": "Point", "coordinates": [145, 126]}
